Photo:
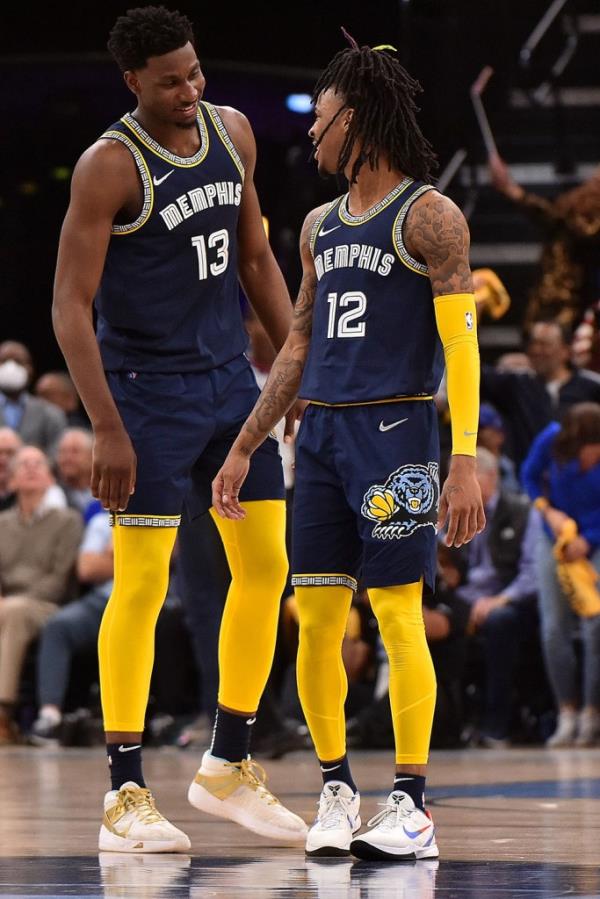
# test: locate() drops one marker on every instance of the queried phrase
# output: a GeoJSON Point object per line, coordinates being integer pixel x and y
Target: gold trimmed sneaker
{"type": "Point", "coordinates": [237, 791]}
{"type": "Point", "coordinates": [132, 823]}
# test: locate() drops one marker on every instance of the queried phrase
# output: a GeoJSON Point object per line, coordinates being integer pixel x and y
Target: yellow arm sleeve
{"type": "Point", "coordinates": [456, 321]}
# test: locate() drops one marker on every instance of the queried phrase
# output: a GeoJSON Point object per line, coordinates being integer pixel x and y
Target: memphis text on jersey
{"type": "Point", "coordinates": [221, 193]}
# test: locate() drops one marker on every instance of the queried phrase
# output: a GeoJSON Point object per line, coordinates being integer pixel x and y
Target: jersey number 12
{"type": "Point", "coordinates": [345, 324]}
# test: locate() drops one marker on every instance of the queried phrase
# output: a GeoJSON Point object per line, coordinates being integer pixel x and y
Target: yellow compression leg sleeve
{"type": "Point", "coordinates": [255, 549]}
{"type": "Point", "coordinates": [412, 677]}
{"type": "Point", "coordinates": [126, 640]}
{"type": "Point", "coordinates": [322, 681]}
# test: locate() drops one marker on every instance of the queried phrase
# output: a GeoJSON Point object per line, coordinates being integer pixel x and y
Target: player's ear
{"type": "Point", "coordinates": [348, 118]}
{"type": "Point", "coordinates": [132, 82]}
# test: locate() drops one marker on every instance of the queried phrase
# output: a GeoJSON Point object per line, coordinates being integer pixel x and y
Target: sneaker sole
{"type": "Point", "coordinates": [206, 802]}
{"type": "Point", "coordinates": [110, 842]}
{"type": "Point", "coordinates": [369, 852]}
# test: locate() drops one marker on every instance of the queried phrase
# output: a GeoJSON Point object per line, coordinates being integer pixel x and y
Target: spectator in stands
{"type": "Point", "coordinates": [500, 586]}
{"type": "Point", "coordinates": [38, 547]}
{"type": "Point", "coordinates": [562, 477]}
{"type": "Point", "coordinates": [37, 422]}
{"type": "Point", "coordinates": [74, 628]}
{"type": "Point", "coordinates": [74, 470]}
{"type": "Point", "coordinates": [527, 402]}
{"type": "Point", "coordinates": [569, 269]}
{"type": "Point", "coordinates": [492, 435]}
{"type": "Point", "coordinates": [56, 387]}
{"type": "Point", "coordinates": [10, 443]}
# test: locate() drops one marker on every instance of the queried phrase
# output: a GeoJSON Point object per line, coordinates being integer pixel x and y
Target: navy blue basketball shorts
{"type": "Point", "coordinates": [182, 427]}
{"type": "Point", "coordinates": [366, 495]}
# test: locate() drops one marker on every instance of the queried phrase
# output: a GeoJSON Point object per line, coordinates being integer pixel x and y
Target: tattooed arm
{"type": "Point", "coordinates": [279, 392]}
{"type": "Point", "coordinates": [437, 233]}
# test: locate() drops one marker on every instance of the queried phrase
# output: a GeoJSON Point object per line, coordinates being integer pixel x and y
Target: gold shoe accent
{"type": "Point", "coordinates": [132, 799]}
{"type": "Point", "coordinates": [246, 773]}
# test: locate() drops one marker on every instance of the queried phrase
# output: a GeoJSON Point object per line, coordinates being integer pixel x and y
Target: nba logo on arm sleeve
{"type": "Point", "coordinates": [469, 320]}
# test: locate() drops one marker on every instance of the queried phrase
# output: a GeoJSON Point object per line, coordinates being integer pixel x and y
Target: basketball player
{"type": "Point", "coordinates": [163, 220]}
{"type": "Point", "coordinates": [386, 294]}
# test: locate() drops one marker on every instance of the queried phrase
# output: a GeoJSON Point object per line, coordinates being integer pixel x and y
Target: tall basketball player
{"type": "Point", "coordinates": [386, 294]}
{"type": "Point", "coordinates": [163, 220]}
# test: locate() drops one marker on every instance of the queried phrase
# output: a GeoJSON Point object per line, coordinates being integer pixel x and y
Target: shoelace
{"type": "Point", "coordinates": [142, 802]}
{"type": "Point", "coordinates": [254, 776]}
{"type": "Point", "coordinates": [389, 809]}
{"type": "Point", "coordinates": [335, 811]}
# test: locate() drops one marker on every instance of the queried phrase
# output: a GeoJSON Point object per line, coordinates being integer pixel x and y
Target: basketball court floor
{"type": "Point", "coordinates": [512, 823]}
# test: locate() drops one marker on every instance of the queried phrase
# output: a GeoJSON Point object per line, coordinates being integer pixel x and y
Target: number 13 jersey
{"type": "Point", "coordinates": [374, 335]}
{"type": "Point", "coordinates": [168, 299]}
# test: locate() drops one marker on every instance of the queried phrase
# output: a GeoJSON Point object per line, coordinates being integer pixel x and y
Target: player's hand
{"type": "Point", "coordinates": [461, 506]}
{"type": "Point", "coordinates": [227, 485]}
{"type": "Point", "coordinates": [292, 416]}
{"type": "Point", "coordinates": [114, 466]}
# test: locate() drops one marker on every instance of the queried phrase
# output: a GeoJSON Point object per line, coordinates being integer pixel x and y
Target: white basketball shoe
{"type": "Point", "coordinates": [237, 791]}
{"type": "Point", "coordinates": [400, 832]}
{"type": "Point", "coordinates": [337, 820]}
{"type": "Point", "coordinates": [132, 823]}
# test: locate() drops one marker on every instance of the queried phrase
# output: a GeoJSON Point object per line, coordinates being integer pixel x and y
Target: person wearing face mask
{"type": "Point", "coordinates": [37, 422]}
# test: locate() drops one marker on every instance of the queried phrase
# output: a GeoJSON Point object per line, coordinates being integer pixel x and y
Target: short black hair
{"type": "Point", "coordinates": [381, 92]}
{"type": "Point", "coordinates": [147, 31]}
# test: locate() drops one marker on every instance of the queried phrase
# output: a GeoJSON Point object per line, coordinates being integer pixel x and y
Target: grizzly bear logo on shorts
{"type": "Point", "coordinates": [408, 500]}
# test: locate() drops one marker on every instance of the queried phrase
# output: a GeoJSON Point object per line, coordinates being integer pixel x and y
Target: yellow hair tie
{"type": "Point", "coordinates": [384, 47]}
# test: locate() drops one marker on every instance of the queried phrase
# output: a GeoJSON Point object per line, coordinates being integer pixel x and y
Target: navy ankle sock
{"type": "Point", "coordinates": [231, 736]}
{"type": "Point", "coordinates": [338, 771]}
{"type": "Point", "coordinates": [414, 785]}
{"type": "Point", "coordinates": [125, 763]}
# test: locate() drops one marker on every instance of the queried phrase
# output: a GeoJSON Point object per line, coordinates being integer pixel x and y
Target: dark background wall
{"type": "Point", "coordinates": [59, 90]}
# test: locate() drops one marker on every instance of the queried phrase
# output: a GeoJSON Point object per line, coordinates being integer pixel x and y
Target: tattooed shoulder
{"type": "Point", "coordinates": [302, 318]}
{"type": "Point", "coordinates": [437, 232]}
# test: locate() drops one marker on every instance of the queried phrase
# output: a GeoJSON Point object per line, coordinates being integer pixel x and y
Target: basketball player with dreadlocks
{"type": "Point", "coordinates": [163, 221]}
{"type": "Point", "coordinates": [386, 296]}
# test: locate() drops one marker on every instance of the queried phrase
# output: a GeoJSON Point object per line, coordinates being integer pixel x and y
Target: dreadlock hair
{"type": "Point", "coordinates": [147, 31]}
{"type": "Point", "coordinates": [381, 93]}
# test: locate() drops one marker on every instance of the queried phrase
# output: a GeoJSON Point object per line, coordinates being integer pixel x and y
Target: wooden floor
{"type": "Point", "coordinates": [510, 823]}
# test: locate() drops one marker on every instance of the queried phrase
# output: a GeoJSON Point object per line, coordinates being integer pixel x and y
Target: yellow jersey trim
{"type": "Point", "coordinates": [144, 172]}
{"type": "Point", "coordinates": [419, 268]}
{"type": "Point", "coordinates": [392, 399]}
{"type": "Point", "coordinates": [348, 219]}
{"type": "Point", "coordinates": [225, 137]}
{"type": "Point", "coordinates": [182, 162]}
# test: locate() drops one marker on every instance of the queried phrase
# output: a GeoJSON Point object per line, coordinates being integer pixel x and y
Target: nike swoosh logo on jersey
{"type": "Point", "coordinates": [393, 424]}
{"type": "Point", "coordinates": [158, 181]}
{"type": "Point", "coordinates": [129, 748]}
{"type": "Point", "coordinates": [322, 233]}
{"type": "Point", "coordinates": [470, 433]}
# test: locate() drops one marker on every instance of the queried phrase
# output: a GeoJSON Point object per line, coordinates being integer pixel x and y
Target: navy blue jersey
{"type": "Point", "coordinates": [168, 300]}
{"type": "Point", "coordinates": [374, 334]}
